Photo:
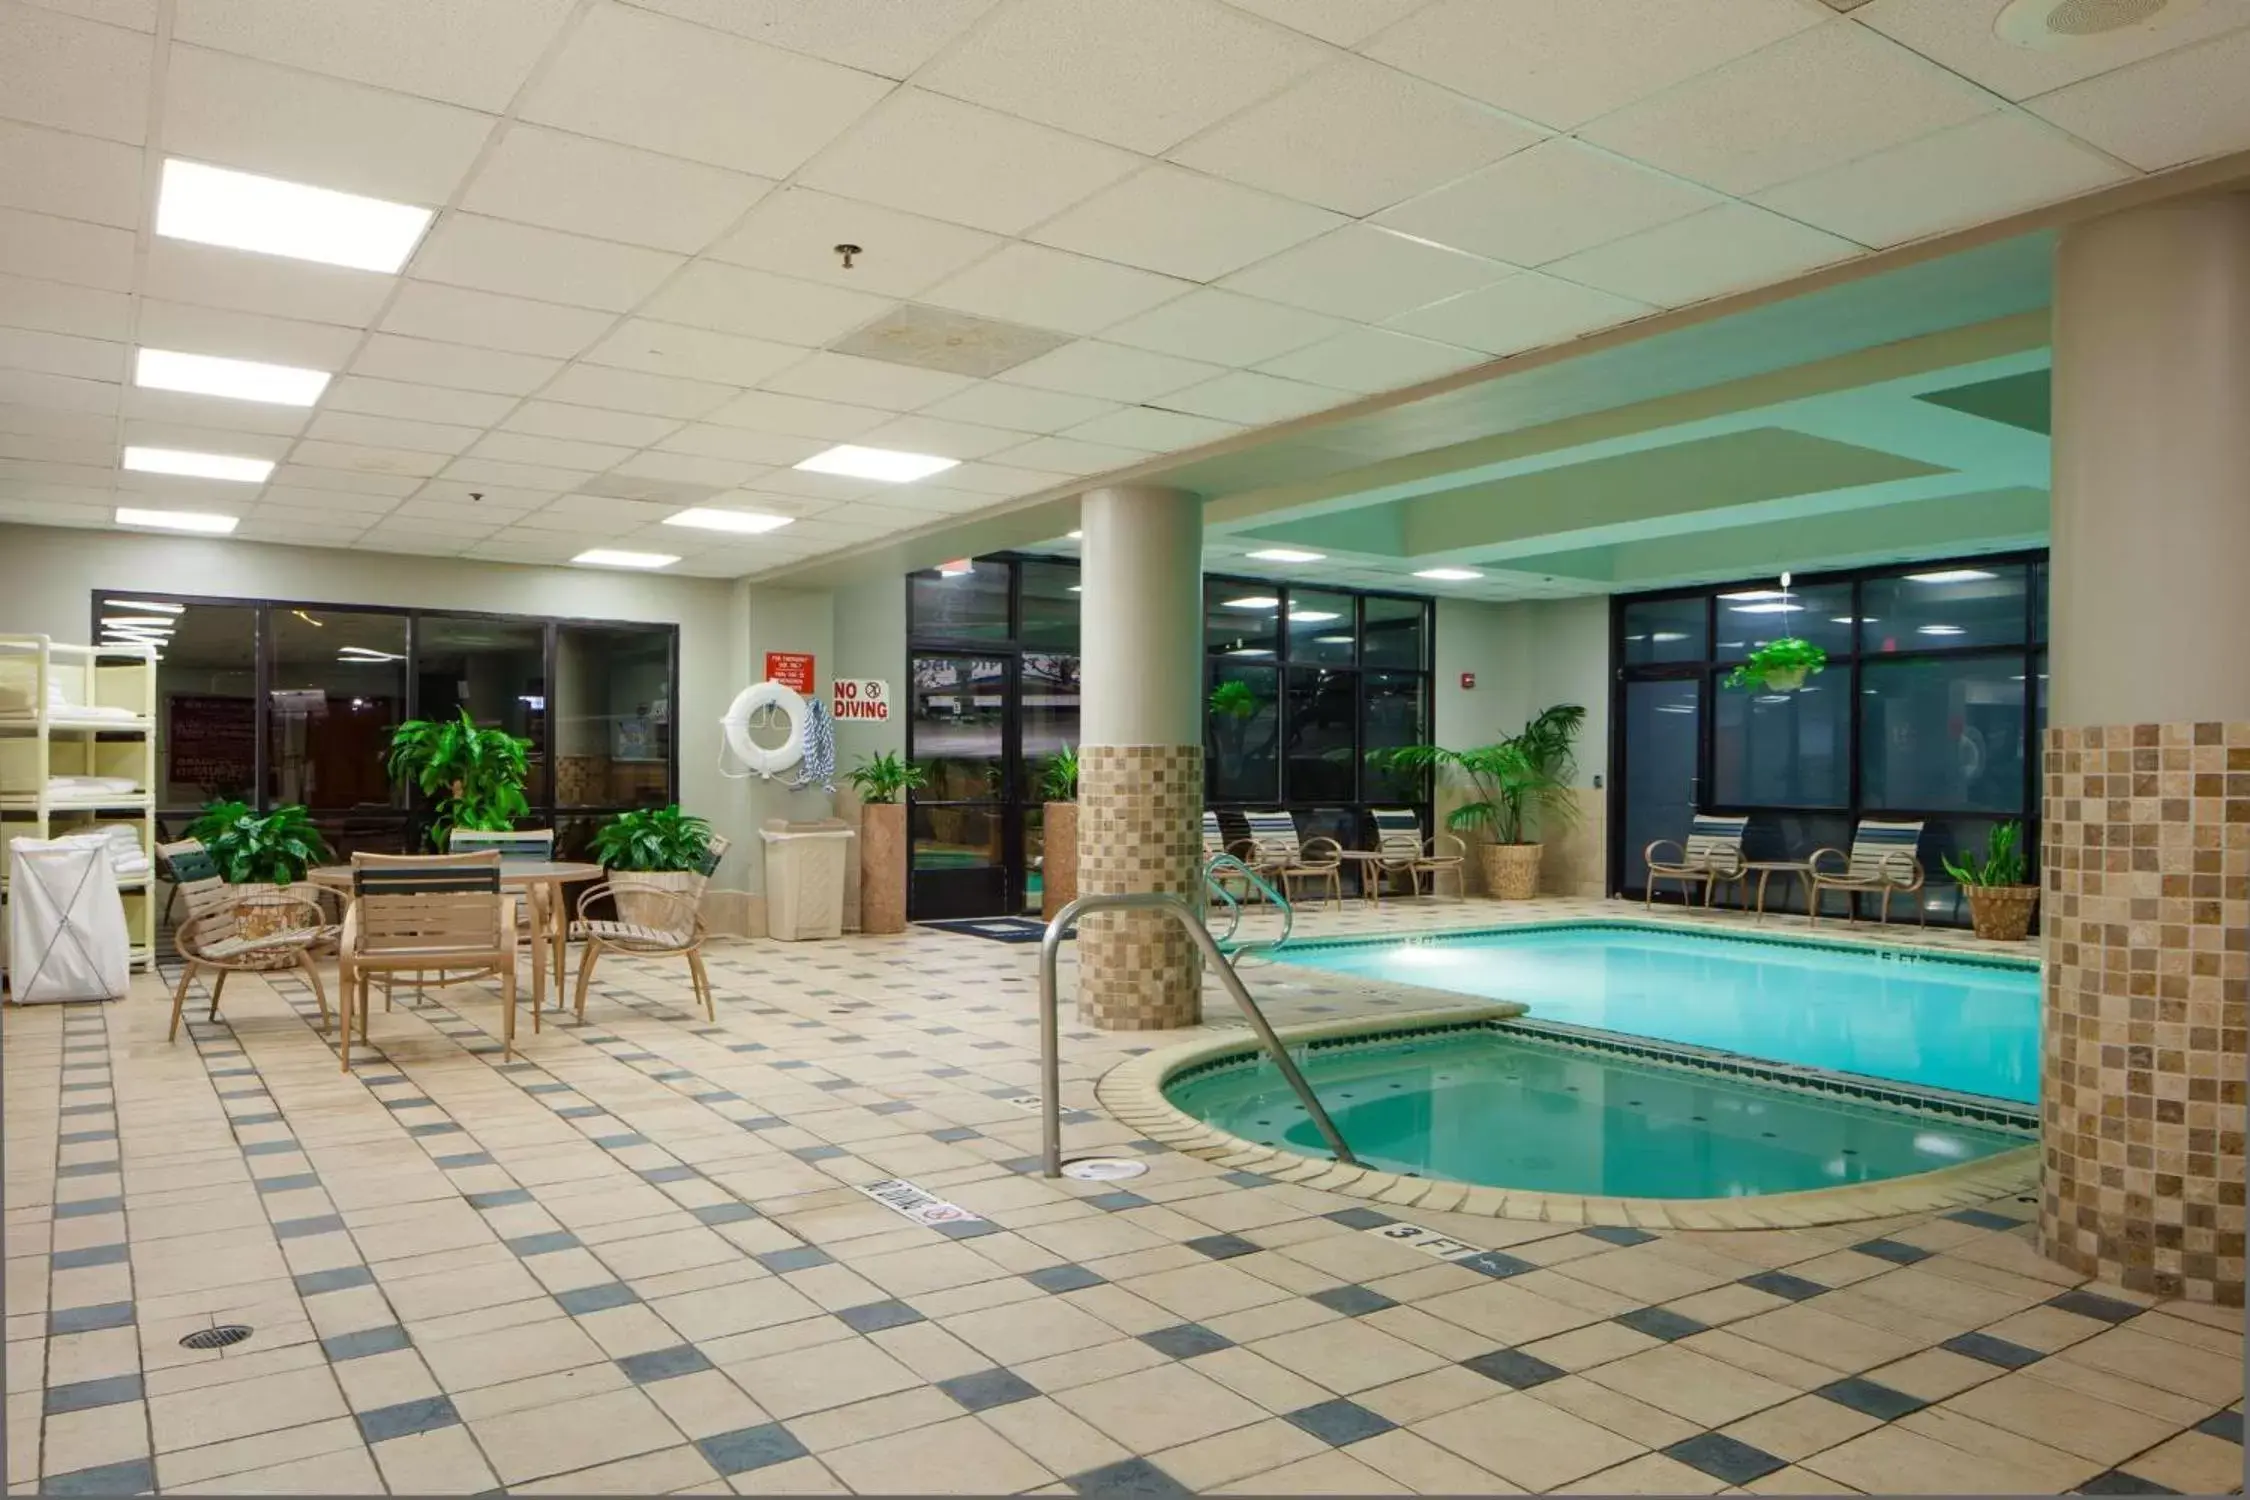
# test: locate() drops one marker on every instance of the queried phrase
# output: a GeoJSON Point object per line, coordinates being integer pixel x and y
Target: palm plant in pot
{"type": "Point", "coordinates": [650, 850]}
{"type": "Point", "coordinates": [474, 775]}
{"type": "Point", "coordinates": [2000, 902]}
{"type": "Point", "coordinates": [255, 849]}
{"type": "Point", "coordinates": [881, 780]}
{"type": "Point", "coordinates": [1058, 858]}
{"type": "Point", "coordinates": [1518, 785]}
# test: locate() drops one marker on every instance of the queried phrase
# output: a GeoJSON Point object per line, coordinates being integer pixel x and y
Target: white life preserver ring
{"type": "Point", "coordinates": [764, 760]}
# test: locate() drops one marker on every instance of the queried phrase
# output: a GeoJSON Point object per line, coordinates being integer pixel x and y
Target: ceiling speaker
{"type": "Point", "coordinates": [2064, 23]}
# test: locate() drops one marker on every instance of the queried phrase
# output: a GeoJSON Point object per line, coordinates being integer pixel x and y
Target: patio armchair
{"type": "Point", "coordinates": [1400, 847]}
{"type": "Point", "coordinates": [232, 929]}
{"type": "Point", "coordinates": [1882, 860]}
{"type": "Point", "coordinates": [651, 921]}
{"type": "Point", "coordinates": [1215, 844]}
{"type": "Point", "coordinates": [1281, 855]}
{"type": "Point", "coordinates": [1712, 856]}
{"type": "Point", "coordinates": [421, 914]}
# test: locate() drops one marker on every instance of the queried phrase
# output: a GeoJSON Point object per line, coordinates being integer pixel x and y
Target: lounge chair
{"type": "Point", "coordinates": [1882, 860]}
{"type": "Point", "coordinates": [652, 921]}
{"type": "Point", "coordinates": [1215, 844]}
{"type": "Point", "coordinates": [1711, 856]}
{"type": "Point", "coordinates": [233, 929]}
{"type": "Point", "coordinates": [1400, 848]}
{"type": "Point", "coordinates": [424, 914]}
{"type": "Point", "coordinates": [1284, 857]}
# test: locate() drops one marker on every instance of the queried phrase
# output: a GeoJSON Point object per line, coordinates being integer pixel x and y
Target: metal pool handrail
{"type": "Point", "coordinates": [1050, 1048]}
{"type": "Point", "coordinates": [1219, 862]}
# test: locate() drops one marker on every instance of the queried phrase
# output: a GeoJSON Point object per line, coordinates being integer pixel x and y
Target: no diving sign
{"type": "Point", "coordinates": [865, 700]}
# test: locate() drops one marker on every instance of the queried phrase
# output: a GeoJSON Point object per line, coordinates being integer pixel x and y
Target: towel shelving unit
{"type": "Point", "coordinates": [41, 682]}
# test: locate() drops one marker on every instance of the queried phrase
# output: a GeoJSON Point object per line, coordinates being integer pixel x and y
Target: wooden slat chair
{"type": "Point", "coordinates": [1215, 844]}
{"type": "Point", "coordinates": [1282, 855]}
{"type": "Point", "coordinates": [421, 914]}
{"type": "Point", "coordinates": [215, 939]}
{"type": "Point", "coordinates": [1883, 859]}
{"type": "Point", "coordinates": [1401, 848]}
{"type": "Point", "coordinates": [651, 923]}
{"type": "Point", "coordinates": [535, 846]}
{"type": "Point", "coordinates": [1711, 857]}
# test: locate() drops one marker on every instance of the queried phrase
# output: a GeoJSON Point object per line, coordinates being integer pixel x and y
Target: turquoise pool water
{"type": "Point", "coordinates": [1967, 1027]}
{"type": "Point", "coordinates": [1486, 1106]}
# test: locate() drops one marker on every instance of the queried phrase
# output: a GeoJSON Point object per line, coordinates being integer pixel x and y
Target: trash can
{"type": "Point", "coordinates": [805, 872]}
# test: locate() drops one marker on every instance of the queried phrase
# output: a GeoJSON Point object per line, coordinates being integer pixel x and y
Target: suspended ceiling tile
{"type": "Point", "coordinates": [1347, 23]}
{"type": "Point", "coordinates": [585, 186]}
{"type": "Point", "coordinates": [420, 403]}
{"type": "Point", "coordinates": [2177, 108]}
{"type": "Point", "coordinates": [495, 255]}
{"type": "Point", "coordinates": [1372, 359]}
{"type": "Point", "coordinates": [361, 459]}
{"type": "Point", "coordinates": [1224, 328]}
{"type": "Point", "coordinates": [242, 335]}
{"type": "Point", "coordinates": [1152, 429]}
{"type": "Point", "coordinates": [1068, 456]}
{"type": "Point", "coordinates": [653, 470]}
{"type": "Point", "coordinates": [636, 391]}
{"type": "Point", "coordinates": [391, 432]}
{"type": "Point", "coordinates": [477, 55]}
{"type": "Point", "coordinates": [50, 305]}
{"type": "Point", "coordinates": [879, 36]}
{"type": "Point", "coordinates": [555, 419]}
{"type": "Point", "coordinates": [934, 435]}
{"type": "Point", "coordinates": [487, 320]}
{"type": "Point", "coordinates": [740, 445]}
{"type": "Point", "coordinates": [69, 73]}
{"type": "Point", "coordinates": [1249, 398]}
{"type": "Point", "coordinates": [74, 176]}
{"type": "Point", "coordinates": [1365, 273]}
{"type": "Point", "coordinates": [1018, 408]}
{"type": "Point", "coordinates": [476, 472]}
{"type": "Point", "coordinates": [799, 416]}
{"type": "Point", "coordinates": [1355, 137]}
{"type": "Point", "coordinates": [1721, 249]}
{"type": "Point", "coordinates": [180, 271]}
{"type": "Point", "coordinates": [1055, 289]}
{"type": "Point", "coordinates": [735, 299]}
{"type": "Point", "coordinates": [794, 233]}
{"type": "Point", "coordinates": [46, 248]}
{"type": "Point", "coordinates": [1110, 371]}
{"type": "Point", "coordinates": [1184, 223]}
{"type": "Point", "coordinates": [1958, 34]}
{"type": "Point", "coordinates": [557, 453]}
{"type": "Point", "coordinates": [393, 487]}
{"type": "Point", "coordinates": [866, 382]}
{"type": "Point", "coordinates": [692, 353]}
{"type": "Point", "coordinates": [1556, 198]}
{"type": "Point", "coordinates": [62, 354]}
{"type": "Point", "coordinates": [1527, 311]}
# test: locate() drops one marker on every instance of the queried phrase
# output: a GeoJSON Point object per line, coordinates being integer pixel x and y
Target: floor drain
{"type": "Point", "coordinates": [216, 1338]}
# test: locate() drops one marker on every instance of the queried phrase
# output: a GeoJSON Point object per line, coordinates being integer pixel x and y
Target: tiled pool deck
{"type": "Point", "coordinates": [634, 1260]}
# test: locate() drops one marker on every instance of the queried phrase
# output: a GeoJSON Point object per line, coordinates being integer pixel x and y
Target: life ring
{"type": "Point", "coordinates": [764, 760]}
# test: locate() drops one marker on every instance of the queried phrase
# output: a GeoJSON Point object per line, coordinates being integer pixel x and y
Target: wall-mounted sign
{"type": "Point", "coordinates": [1468, 679]}
{"type": "Point", "coordinates": [864, 700]}
{"type": "Point", "coordinates": [792, 669]}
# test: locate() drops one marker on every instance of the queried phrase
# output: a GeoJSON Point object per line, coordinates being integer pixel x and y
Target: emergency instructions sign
{"type": "Point", "coordinates": [864, 700]}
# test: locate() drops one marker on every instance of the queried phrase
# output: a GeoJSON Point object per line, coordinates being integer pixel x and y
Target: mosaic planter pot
{"type": "Point", "coordinates": [1511, 871]}
{"type": "Point", "coordinates": [2002, 913]}
{"type": "Point", "coordinates": [882, 867]}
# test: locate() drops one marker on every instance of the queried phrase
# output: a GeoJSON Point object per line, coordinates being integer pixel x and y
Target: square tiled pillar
{"type": "Point", "coordinates": [1140, 811]}
{"type": "Point", "coordinates": [2147, 923]}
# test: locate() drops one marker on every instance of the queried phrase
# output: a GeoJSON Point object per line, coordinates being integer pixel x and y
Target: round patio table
{"type": "Point", "coordinates": [540, 879]}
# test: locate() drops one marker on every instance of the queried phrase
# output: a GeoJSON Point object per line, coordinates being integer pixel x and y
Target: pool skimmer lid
{"type": "Point", "coordinates": [1103, 1168]}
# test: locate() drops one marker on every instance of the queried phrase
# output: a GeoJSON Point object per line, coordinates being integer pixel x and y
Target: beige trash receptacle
{"type": "Point", "coordinates": [805, 873]}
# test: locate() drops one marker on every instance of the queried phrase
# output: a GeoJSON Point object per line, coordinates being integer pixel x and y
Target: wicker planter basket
{"type": "Point", "coordinates": [1511, 871]}
{"type": "Point", "coordinates": [2002, 913]}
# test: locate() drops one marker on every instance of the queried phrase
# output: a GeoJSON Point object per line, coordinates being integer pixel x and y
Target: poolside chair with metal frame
{"type": "Point", "coordinates": [1883, 861]}
{"type": "Point", "coordinates": [424, 914]}
{"type": "Point", "coordinates": [1215, 844]}
{"type": "Point", "coordinates": [532, 846]}
{"type": "Point", "coordinates": [1712, 856]}
{"type": "Point", "coordinates": [652, 922]}
{"type": "Point", "coordinates": [1400, 848]}
{"type": "Point", "coordinates": [1282, 855]}
{"type": "Point", "coordinates": [232, 929]}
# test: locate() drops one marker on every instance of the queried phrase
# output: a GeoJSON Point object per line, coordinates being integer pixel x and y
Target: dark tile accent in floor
{"type": "Point", "coordinates": [1869, 1399]}
{"type": "Point", "coordinates": [1891, 1250]}
{"type": "Point", "coordinates": [1222, 1246]}
{"type": "Point", "coordinates": [1660, 1323]}
{"type": "Point", "coordinates": [748, 1448]}
{"type": "Point", "coordinates": [87, 1319]}
{"type": "Point", "coordinates": [408, 1418]}
{"type": "Point", "coordinates": [2118, 1482]}
{"type": "Point", "coordinates": [1993, 1351]}
{"type": "Point", "coordinates": [1782, 1284]}
{"type": "Point", "coordinates": [593, 1299]}
{"type": "Point", "coordinates": [873, 1317]}
{"type": "Point", "coordinates": [84, 1395]}
{"type": "Point", "coordinates": [1339, 1422]}
{"type": "Point", "coordinates": [135, 1476]}
{"type": "Point", "coordinates": [985, 1389]}
{"type": "Point", "coordinates": [341, 1278]}
{"type": "Point", "coordinates": [663, 1364]}
{"type": "Point", "coordinates": [1117, 1202]}
{"type": "Point", "coordinates": [292, 1229]}
{"type": "Point", "coordinates": [1981, 1218]}
{"type": "Point", "coordinates": [543, 1244]}
{"type": "Point", "coordinates": [499, 1198]}
{"type": "Point", "coordinates": [1353, 1301]}
{"type": "Point", "coordinates": [794, 1258]}
{"type": "Point", "coordinates": [2094, 1305]}
{"type": "Point", "coordinates": [1513, 1368]}
{"type": "Point", "coordinates": [1064, 1278]}
{"type": "Point", "coordinates": [1359, 1218]}
{"type": "Point", "coordinates": [1493, 1263]}
{"type": "Point", "coordinates": [92, 1255]}
{"type": "Point", "coordinates": [1617, 1234]}
{"type": "Point", "coordinates": [2225, 1424]}
{"type": "Point", "coordinates": [1723, 1457]}
{"type": "Point", "coordinates": [365, 1341]}
{"type": "Point", "coordinates": [725, 1213]}
{"type": "Point", "coordinates": [1186, 1341]}
{"type": "Point", "coordinates": [1129, 1479]}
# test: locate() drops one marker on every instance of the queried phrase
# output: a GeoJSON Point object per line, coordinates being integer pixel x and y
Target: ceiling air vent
{"type": "Point", "coordinates": [2063, 23]}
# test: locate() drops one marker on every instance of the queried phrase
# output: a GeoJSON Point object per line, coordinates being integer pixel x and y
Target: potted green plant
{"type": "Point", "coordinates": [1058, 856]}
{"type": "Point", "coordinates": [1779, 666]}
{"type": "Point", "coordinates": [1518, 784]}
{"type": "Point", "coordinates": [881, 780]}
{"type": "Point", "coordinates": [2000, 902]}
{"type": "Point", "coordinates": [254, 849]}
{"type": "Point", "coordinates": [651, 849]}
{"type": "Point", "coordinates": [475, 775]}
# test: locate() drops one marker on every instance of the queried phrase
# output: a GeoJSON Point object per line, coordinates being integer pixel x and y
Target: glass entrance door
{"type": "Point", "coordinates": [964, 823]}
{"type": "Point", "coordinates": [1662, 740]}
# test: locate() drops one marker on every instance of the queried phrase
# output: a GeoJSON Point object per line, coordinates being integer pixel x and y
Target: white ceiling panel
{"type": "Point", "coordinates": [474, 471]}
{"type": "Point", "coordinates": [740, 445]}
{"type": "Point", "coordinates": [180, 409]}
{"type": "Point", "coordinates": [1144, 76]}
{"type": "Point", "coordinates": [736, 299]}
{"type": "Point", "coordinates": [1722, 249]}
{"type": "Point", "coordinates": [56, 308]}
{"type": "Point", "coordinates": [866, 382]}
{"type": "Point", "coordinates": [1347, 23]}
{"type": "Point", "coordinates": [1249, 398]}
{"type": "Point", "coordinates": [61, 354]}
{"type": "Point", "coordinates": [833, 488]}
{"type": "Point", "coordinates": [1018, 408]}
{"type": "Point", "coordinates": [1111, 372]}
{"type": "Point", "coordinates": [1151, 429]}
{"type": "Point", "coordinates": [74, 176]}
{"type": "Point", "coordinates": [334, 493]}
{"type": "Point", "coordinates": [1527, 311]}
{"type": "Point", "coordinates": [494, 255]}
{"type": "Point", "coordinates": [46, 248]}
{"type": "Point", "coordinates": [793, 234]}
{"type": "Point", "coordinates": [370, 486]}
{"type": "Point", "coordinates": [1365, 273]}
{"type": "Point", "coordinates": [936, 501]}
{"type": "Point", "coordinates": [441, 494]}
{"type": "Point", "coordinates": [1055, 289]}
{"type": "Point", "coordinates": [487, 320]}
{"type": "Point", "coordinates": [1365, 360]}
{"type": "Point", "coordinates": [664, 85]}
{"type": "Point", "coordinates": [1813, 101]}
{"type": "Point", "coordinates": [1224, 328]}
{"type": "Point", "coordinates": [417, 403]}
{"type": "Point", "coordinates": [935, 156]}
{"type": "Point", "coordinates": [1972, 172]}
{"type": "Point", "coordinates": [553, 419]}
{"type": "Point", "coordinates": [361, 459]}
{"type": "Point", "coordinates": [1184, 223]}
{"type": "Point", "coordinates": [692, 353]}
{"type": "Point", "coordinates": [584, 186]}
{"type": "Point", "coordinates": [1069, 456]}
{"type": "Point", "coordinates": [2171, 109]}
{"type": "Point", "coordinates": [1355, 137]}
{"type": "Point", "coordinates": [391, 432]}
{"type": "Point", "coordinates": [180, 271]}
{"type": "Point", "coordinates": [59, 392]}
{"type": "Point", "coordinates": [389, 356]}
{"type": "Point", "coordinates": [73, 426]}
{"type": "Point", "coordinates": [1958, 35]}
{"type": "Point", "coordinates": [1564, 62]}
{"type": "Point", "coordinates": [254, 117]}
{"type": "Point", "coordinates": [654, 471]}
{"type": "Point", "coordinates": [477, 55]}
{"type": "Point", "coordinates": [636, 391]}
{"type": "Point", "coordinates": [554, 453]}
{"type": "Point", "coordinates": [889, 37]}
{"type": "Point", "coordinates": [934, 435]}
{"type": "Point", "coordinates": [73, 74]}
{"type": "Point", "coordinates": [242, 335]}
{"type": "Point", "coordinates": [797, 416]}
{"type": "Point", "coordinates": [80, 452]}
{"type": "Point", "coordinates": [1550, 201]}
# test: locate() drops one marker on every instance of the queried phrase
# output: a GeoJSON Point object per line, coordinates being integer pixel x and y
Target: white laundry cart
{"type": "Point", "coordinates": [67, 938]}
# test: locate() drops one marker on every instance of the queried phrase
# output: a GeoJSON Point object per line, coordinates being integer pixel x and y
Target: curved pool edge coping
{"type": "Point", "coordinates": [1133, 1092]}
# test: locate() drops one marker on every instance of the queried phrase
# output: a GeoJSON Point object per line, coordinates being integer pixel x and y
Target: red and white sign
{"type": "Point", "coordinates": [792, 669]}
{"type": "Point", "coordinates": [861, 700]}
{"type": "Point", "coordinates": [1468, 679]}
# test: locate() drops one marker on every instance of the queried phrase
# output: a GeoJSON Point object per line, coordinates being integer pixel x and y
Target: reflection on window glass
{"type": "Point", "coordinates": [1658, 630]}
{"type": "Point", "coordinates": [956, 838]}
{"type": "Point", "coordinates": [1050, 606]}
{"type": "Point", "coordinates": [338, 688]}
{"type": "Point", "coordinates": [1320, 627]}
{"type": "Point", "coordinates": [1243, 720]}
{"type": "Point", "coordinates": [1394, 713]}
{"type": "Point", "coordinates": [1050, 714]}
{"type": "Point", "coordinates": [1943, 735]}
{"type": "Point", "coordinates": [206, 697]}
{"type": "Point", "coordinates": [497, 670]}
{"type": "Point", "coordinates": [1944, 608]}
{"type": "Point", "coordinates": [1319, 751]}
{"type": "Point", "coordinates": [1783, 749]}
{"type": "Point", "coordinates": [959, 601]}
{"type": "Point", "coordinates": [1393, 633]}
{"type": "Point", "coordinates": [959, 712]}
{"type": "Point", "coordinates": [1661, 722]}
{"type": "Point", "coordinates": [1241, 618]}
{"type": "Point", "coordinates": [613, 716]}
{"type": "Point", "coordinates": [2039, 572]}
{"type": "Point", "coordinates": [1751, 617]}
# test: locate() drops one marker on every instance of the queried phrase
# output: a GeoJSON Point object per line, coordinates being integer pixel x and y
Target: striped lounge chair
{"type": "Point", "coordinates": [1214, 845]}
{"type": "Point", "coordinates": [1712, 857]}
{"type": "Point", "coordinates": [1282, 856]}
{"type": "Point", "coordinates": [1399, 846]}
{"type": "Point", "coordinates": [1882, 860]}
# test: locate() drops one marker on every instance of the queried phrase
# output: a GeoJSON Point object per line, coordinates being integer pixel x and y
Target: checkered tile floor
{"type": "Point", "coordinates": [636, 1259]}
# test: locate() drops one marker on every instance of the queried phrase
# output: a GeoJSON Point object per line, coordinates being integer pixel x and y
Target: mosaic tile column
{"type": "Point", "coordinates": [1140, 809]}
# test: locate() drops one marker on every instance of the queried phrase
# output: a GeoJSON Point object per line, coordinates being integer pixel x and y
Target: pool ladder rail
{"type": "Point", "coordinates": [1180, 909]}
{"type": "Point", "coordinates": [1220, 865]}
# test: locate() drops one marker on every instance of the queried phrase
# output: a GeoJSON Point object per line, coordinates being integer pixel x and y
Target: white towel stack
{"type": "Point", "coordinates": [87, 786]}
{"type": "Point", "coordinates": [126, 856]}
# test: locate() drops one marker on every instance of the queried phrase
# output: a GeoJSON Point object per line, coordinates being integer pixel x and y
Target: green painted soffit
{"type": "Point", "coordinates": [2024, 400]}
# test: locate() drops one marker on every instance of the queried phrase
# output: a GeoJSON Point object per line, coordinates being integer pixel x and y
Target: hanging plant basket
{"type": "Point", "coordinates": [1779, 666]}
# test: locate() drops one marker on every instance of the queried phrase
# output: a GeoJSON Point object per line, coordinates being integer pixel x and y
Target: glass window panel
{"type": "Point", "coordinates": [2039, 572]}
{"type": "Point", "coordinates": [1319, 759]}
{"type": "Point", "coordinates": [496, 669]}
{"type": "Point", "coordinates": [1242, 722]}
{"type": "Point", "coordinates": [1321, 627]}
{"type": "Point", "coordinates": [1034, 857]}
{"type": "Point", "coordinates": [613, 716]}
{"type": "Point", "coordinates": [959, 601]}
{"type": "Point", "coordinates": [1050, 606]}
{"type": "Point", "coordinates": [206, 705]}
{"type": "Point", "coordinates": [1944, 607]}
{"type": "Point", "coordinates": [1241, 618]}
{"type": "Point", "coordinates": [1959, 839]}
{"type": "Point", "coordinates": [955, 731]}
{"type": "Point", "coordinates": [1050, 715]}
{"type": "Point", "coordinates": [1943, 735]}
{"type": "Point", "coordinates": [951, 839]}
{"type": "Point", "coordinates": [2039, 704]}
{"type": "Point", "coordinates": [338, 684]}
{"type": "Point", "coordinates": [1396, 712]}
{"type": "Point", "coordinates": [1659, 630]}
{"type": "Point", "coordinates": [1393, 632]}
{"type": "Point", "coordinates": [1782, 749]}
{"type": "Point", "coordinates": [1792, 837]}
{"type": "Point", "coordinates": [1750, 617]}
{"type": "Point", "coordinates": [1662, 722]}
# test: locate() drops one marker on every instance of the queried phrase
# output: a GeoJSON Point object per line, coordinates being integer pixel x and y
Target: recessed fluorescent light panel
{"type": "Point", "coordinates": [213, 206]}
{"type": "Point", "coordinates": [610, 557]}
{"type": "Point", "coordinates": [746, 522]}
{"type": "Point", "coordinates": [1312, 616]}
{"type": "Point", "coordinates": [885, 464]}
{"type": "Point", "coordinates": [235, 379]}
{"type": "Point", "coordinates": [1255, 601]}
{"type": "Point", "coordinates": [1952, 575]}
{"type": "Point", "coordinates": [153, 606]}
{"type": "Point", "coordinates": [198, 465]}
{"type": "Point", "coordinates": [1287, 555]}
{"type": "Point", "coordinates": [1450, 575]}
{"type": "Point", "coordinates": [177, 520]}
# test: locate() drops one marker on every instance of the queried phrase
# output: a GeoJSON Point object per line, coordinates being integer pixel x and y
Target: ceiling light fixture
{"type": "Point", "coordinates": [241, 211]}
{"type": "Point", "coordinates": [1450, 575]}
{"type": "Point", "coordinates": [1942, 630]}
{"type": "Point", "coordinates": [230, 466]}
{"type": "Point", "coordinates": [233, 379]}
{"type": "Point", "coordinates": [1668, 636]}
{"type": "Point", "coordinates": [163, 622]}
{"type": "Point", "coordinates": [1760, 609]}
{"type": "Point", "coordinates": [177, 520]}
{"type": "Point", "coordinates": [1253, 601]}
{"type": "Point", "coordinates": [610, 557]}
{"type": "Point", "coordinates": [960, 567]}
{"type": "Point", "coordinates": [1288, 555]}
{"type": "Point", "coordinates": [1077, 535]}
{"type": "Point", "coordinates": [1952, 575]}
{"type": "Point", "coordinates": [1312, 616]}
{"type": "Point", "coordinates": [1755, 594]}
{"type": "Point", "coordinates": [746, 522]}
{"type": "Point", "coordinates": [1249, 651]}
{"type": "Point", "coordinates": [885, 464]}
{"type": "Point", "coordinates": [158, 606]}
